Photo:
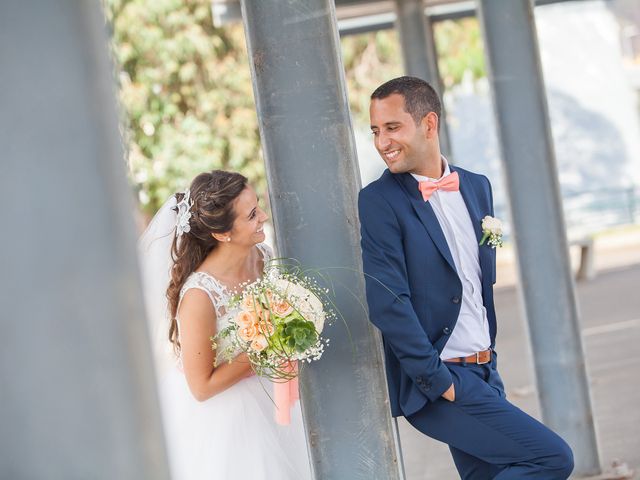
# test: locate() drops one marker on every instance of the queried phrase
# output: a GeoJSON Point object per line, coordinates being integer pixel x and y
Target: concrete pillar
{"type": "Point", "coordinates": [78, 396]}
{"type": "Point", "coordinates": [308, 143]}
{"type": "Point", "coordinates": [536, 207]}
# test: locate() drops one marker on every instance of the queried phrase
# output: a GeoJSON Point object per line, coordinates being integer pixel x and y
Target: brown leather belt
{"type": "Point", "coordinates": [480, 358]}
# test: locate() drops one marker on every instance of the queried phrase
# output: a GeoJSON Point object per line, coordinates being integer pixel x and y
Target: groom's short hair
{"type": "Point", "coordinates": [419, 97]}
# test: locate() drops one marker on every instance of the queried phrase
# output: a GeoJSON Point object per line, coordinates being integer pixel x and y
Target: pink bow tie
{"type": "Point", "coordinates": [450, 183]}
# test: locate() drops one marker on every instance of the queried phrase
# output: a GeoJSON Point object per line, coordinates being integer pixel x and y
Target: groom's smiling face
{"type": "Point", "coordinates": [402, 144]}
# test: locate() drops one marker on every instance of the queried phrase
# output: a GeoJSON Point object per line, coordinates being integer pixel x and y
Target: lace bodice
{"type": "Point", "coordinates": [217, 291]}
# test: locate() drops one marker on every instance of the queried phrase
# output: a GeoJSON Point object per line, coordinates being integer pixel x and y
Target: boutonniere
{"type": "Point", "coordinates": [491, 231]}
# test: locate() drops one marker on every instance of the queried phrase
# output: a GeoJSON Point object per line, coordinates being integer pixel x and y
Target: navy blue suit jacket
{"type": "Point", "coordinates": [413, 290]}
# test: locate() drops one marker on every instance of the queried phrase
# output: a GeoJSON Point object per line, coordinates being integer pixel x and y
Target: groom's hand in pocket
{"type": "Point", "coordinates": [450, 394]}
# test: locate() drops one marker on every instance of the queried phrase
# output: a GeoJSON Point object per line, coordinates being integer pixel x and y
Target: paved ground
{"type": "Point", "coordinates": [610, 317]}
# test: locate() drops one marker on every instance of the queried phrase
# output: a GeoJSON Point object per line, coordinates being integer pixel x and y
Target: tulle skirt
{"type": "Point", "coordinates": [231, 436]}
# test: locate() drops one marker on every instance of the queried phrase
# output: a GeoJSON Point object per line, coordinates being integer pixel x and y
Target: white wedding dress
{"type": "Point", "coordinates": [233, 435]}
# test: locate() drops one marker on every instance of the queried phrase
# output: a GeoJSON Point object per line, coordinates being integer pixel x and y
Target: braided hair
{"type": "Point", "coordinates": [213, 195]}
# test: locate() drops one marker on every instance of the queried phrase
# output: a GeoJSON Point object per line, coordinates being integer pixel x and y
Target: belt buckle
{"type": "Point", "coordinates": [478, 359]}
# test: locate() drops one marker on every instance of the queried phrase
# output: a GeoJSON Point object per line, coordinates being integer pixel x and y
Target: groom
{"type": "Point", "coordinates": [430, 292]}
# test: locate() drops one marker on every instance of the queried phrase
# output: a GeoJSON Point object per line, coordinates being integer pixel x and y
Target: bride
{"type": "Point", "coordinates": [219, 420]}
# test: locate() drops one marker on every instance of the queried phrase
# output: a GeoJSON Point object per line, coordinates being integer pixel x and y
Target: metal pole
{"type": "Point", "coordinates": [78, 396]}
{"type": "Point", "coordinates": [419, 53]}
{"type": "Point", "coordinates": [545, 276]}
{"type": "Point", "coordinates": [413, 38]}
{"type": "Point", "coordinates": [294, 51]}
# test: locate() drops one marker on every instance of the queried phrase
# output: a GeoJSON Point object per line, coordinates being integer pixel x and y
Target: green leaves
{"type": "Point", "coordinates": [460, 50]}
{"type": "Point", "coordinates": [187, 98]}
{"type": "Point", "coordinates": [373, 58]}
{"type": "Point", "coordinates": [369, 59]}
{"type": "Point", "coordinates": [185, 88]}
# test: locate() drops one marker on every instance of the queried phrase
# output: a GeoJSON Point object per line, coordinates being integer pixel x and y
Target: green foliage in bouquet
{"type": "Point", "coordinates": [297, 334]}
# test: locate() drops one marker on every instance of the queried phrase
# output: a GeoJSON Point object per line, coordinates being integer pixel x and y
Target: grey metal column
{"type": "Point", "coordinates": [419, 53]}
{"type": "Point", "coordinates": [308, 142]}
{"type": "Point", "coordinates": [77, 395]}
{"type": "Point", "coordinates": [416, 51]}
{"type": "Point", "coordinates": [536, 206]}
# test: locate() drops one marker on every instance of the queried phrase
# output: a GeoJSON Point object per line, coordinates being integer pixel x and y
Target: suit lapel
{"type": "Point", "coordinates": [470, 196]}
{"type": "Point", "coordinates": [425, 213]}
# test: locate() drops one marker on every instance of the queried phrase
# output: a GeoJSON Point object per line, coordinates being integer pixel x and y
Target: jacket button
{"type": "Point", "coordinates": [455, 299]}
{"type": "Point", "coordinates": [446, 330]}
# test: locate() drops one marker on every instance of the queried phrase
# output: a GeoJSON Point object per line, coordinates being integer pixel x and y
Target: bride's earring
{"type": "Point", "coordinates": [228, 239]}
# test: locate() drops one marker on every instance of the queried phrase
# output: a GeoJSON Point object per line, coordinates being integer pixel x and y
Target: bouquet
{"type": "Point", "coordinates": [279, 322]}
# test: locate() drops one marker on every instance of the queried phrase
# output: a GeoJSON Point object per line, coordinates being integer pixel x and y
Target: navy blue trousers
{"type": "Point", "coordinates": [490, 438]}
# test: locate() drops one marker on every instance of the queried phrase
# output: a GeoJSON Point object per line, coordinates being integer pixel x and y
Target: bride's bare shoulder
{"type": "Point", "coordinates": [196, 308]}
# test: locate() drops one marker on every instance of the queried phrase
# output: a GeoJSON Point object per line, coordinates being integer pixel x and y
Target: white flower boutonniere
{"type": "Point", "coordinates": [492, 231]}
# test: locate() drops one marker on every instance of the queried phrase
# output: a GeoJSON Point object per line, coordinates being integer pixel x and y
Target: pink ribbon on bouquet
{"type": "Point", "coordinates": [286, 394]}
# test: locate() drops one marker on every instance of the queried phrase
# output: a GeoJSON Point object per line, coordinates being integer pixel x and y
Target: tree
{"type": "Point", "coordinates": [460, 50]}
{"type": "Point", "coordinates": [373, 58]}
{"type": "Point", "coordinates": [186, 91]}
{"type": "Point", "coordinates": [369, 60]}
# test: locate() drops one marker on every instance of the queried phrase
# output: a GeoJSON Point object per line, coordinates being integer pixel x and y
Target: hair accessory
{"type": "Point", "coordinates": [184, 214]}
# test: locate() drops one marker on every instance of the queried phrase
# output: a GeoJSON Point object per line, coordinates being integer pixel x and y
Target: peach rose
{"type": "Point", "coordinates": [266, 327]}
{"type": "Point", "coordinates": [264, 315]}
{"type": "Point", "coordinates": [248, 333]}
{"type": "Point", "coordinates": [259, 343]}
{"type": "Point", "coordinates": [281, 308]}
{"type": "Point", "coordinates": [250, 303]}
{"type": "Point", "coordinates": [245, 319]}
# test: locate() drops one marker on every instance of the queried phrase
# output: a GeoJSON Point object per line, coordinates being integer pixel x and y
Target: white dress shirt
{"type": "Point", "coordinates": [471, 333]}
